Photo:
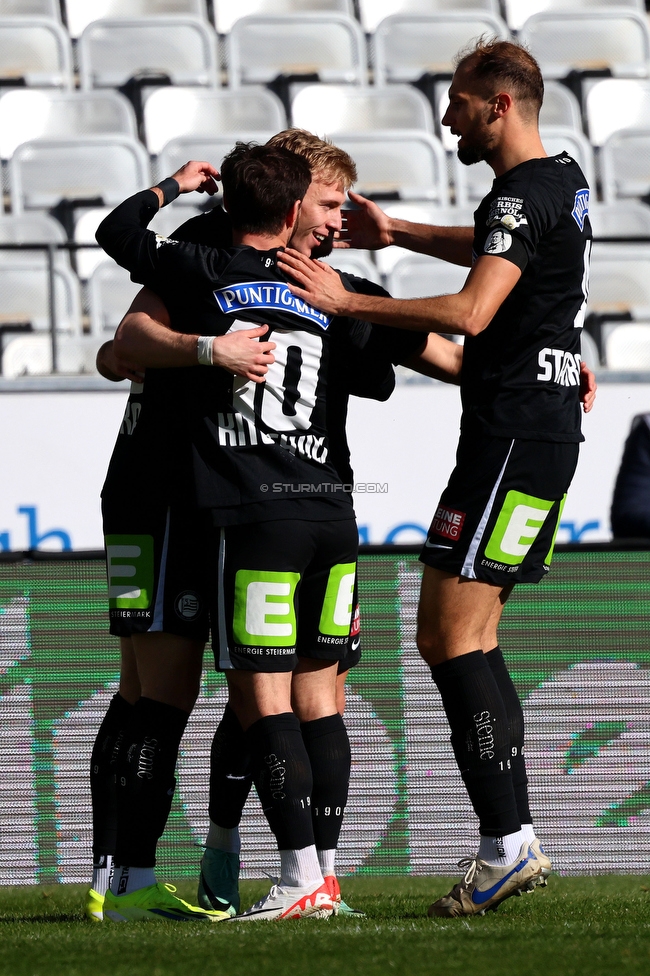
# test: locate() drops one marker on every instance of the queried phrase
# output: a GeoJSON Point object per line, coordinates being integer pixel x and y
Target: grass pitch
{"type": "Point", "coordinates": [591, 926]}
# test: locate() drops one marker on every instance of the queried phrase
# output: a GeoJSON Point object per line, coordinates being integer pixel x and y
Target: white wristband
{"type": "Point", "coordinates": [204, 350]}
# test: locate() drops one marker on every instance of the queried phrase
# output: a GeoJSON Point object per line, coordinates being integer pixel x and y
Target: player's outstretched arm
{"type": "Point", "coordinates": [370, 228]}
{"type": "Point", "coordinates": [467, 313]}
{"type": "Point", "coordinates": [588, 387]}
{"type": "Point", "coordinates": [440, 358]}
{"type": "Point", "coordinates": [144, 336]}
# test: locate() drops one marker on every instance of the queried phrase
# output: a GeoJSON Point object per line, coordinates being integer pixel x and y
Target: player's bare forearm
{"type": "Point", "coordinates": [145, 336]}
{"type": "Point", "coordinates": [369, 227]}
{"type": "Point", "coordinates": [440, 359]}
{"type": "Point", "coordinates": [466, 313]}
{"type": "Point", "coordinates": [453, 244]}
{"type": "Point", "coordinates": [153, 344]}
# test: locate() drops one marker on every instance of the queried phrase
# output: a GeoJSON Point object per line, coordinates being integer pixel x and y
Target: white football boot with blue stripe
{"type": "Point", "coordinates": [486, 885]}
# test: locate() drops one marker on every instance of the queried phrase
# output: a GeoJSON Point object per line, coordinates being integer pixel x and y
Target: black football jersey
{"type": "Point", "coordinates": [260, 451]}
{"type": "Point", "coordinates": [521, 375]}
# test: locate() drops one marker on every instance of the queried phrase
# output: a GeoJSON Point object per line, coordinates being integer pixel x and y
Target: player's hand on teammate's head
{"type": "Point", "coordinates": [111, 367]}
{"type": "Point", "coordinates": [244, 354]}
{"type": "Point", "coordinates": [317, 283]}
{"type": "Point", "coordinates": [367, 228]}
{"type": "Point", "coordinates": [197, 175]}
{"type": "Point", "coordinates": [588, 387]}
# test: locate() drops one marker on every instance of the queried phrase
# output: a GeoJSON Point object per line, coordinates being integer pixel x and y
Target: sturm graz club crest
{"type": "Point", "coordinates": [187, 605]}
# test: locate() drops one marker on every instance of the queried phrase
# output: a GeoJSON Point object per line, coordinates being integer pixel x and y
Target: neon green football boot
{"type": "Point", "coordinates": [156, 903]}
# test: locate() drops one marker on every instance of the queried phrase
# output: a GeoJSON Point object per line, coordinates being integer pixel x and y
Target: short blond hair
{"type": "Point", "coordinates": [328, 163]}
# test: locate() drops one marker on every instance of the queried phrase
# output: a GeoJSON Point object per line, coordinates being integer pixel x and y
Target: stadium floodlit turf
{"type": "Point", "coordinates": [592, 926]}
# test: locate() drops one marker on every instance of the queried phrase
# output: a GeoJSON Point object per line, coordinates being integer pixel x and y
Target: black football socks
{"type": "Point", "coordinates": [515, 715]}
{"type": "Point", "coordinates": [481, 743]}
{"type": "Point", "coordinates": [231, 778]}
{"type": "Point", "coordinates": [328, 748]}
{"type": "Point", "coordinates": [103, 788]}
{"type": "Point", "coordinates": [146, 780]}
{"type": "Point", "coordinates": [283, 779]}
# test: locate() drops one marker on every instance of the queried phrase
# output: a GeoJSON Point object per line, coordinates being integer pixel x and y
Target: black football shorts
{"type": "Point", "coordinates": [285, 589]}
{"type": "Point", "coordinates": [498, 517]}
{"type": "Point", "coordinates": [157, 561]}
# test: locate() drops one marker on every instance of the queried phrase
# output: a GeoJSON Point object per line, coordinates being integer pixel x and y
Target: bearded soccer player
{"type": "Point", "coordinates": [521, 311]}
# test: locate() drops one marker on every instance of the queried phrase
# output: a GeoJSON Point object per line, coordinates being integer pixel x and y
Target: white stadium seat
{"type": "Point", "coordinates": [80, 13]}
{"type": "Point", "coordinates": [617, 103]}
{"type": "Point", "coordinates": [559, 108]}
{"type": "Point", "coordinates": [374, 11]}
{"type": "Point", "coordinates": [357, 263]}
{"type": "Point", "coordinates": [24, 296]}
{"type": "Point", "coordinates": [84, 233]}
{"type": "Point", "coordinates": [589, 351]}
{"type": "Point", "coordinates": [32, 228]}
{"type": "Point", "coordinates": [625, 218]}
{"type": "Point", "coordinates": [171, 113]}
{"type": "Point", "coordinates": [26, 114]}
{"type": "Point", "coordinates": [619, 280]}
{"type": "Point", "coordinates": [420, 213]}
{"type": "Point", "coordinates": [32, 355]}
{"type": "Point", "coordinates": [111, 292]}
{"type": "Point", "coordinates": [27, 8]}
{"type": "Point", "coordinates": [329, 45]}
{"type": "Point", "coordinates": [177, 151]}
{"type": "Point", "coordinates": [227, 12]}
{"type": "Point", "coordinates": [420, 276]}
{"type": "Point", "coordinates": [518, 11]}
{"type": "Point", "coordinates": [35, 51]}
{"type": "Point", "coordinates": [183, 48]}
{"type": "Point", "coordinates": [625, 164]}
{"type": "Point", "coordinates": [44, 172]}
{"type": "Point", "coordinates": [405, 162]}
{"type": "Point", "coordinates": [331, 109]}
{"type": "Point", "coordinates": [473, 182]}
{"type": "Point", "coordinates": [581, 41]}
{"type": "Point", "coordinates": [627, 346]}
{"type": "Point", "coordinates": [406, 47]}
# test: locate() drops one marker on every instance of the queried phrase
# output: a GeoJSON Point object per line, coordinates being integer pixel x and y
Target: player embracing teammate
{"type": "Point", "coordinates": [521, 312]}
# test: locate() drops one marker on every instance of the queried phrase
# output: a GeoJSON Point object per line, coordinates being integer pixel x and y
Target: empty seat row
{"type": "Point", "coordinates": [79, 13]}
{"type": "Point", "coordinates": [328, 45]}
{"type": "Point", "coordinates": [102, 170]}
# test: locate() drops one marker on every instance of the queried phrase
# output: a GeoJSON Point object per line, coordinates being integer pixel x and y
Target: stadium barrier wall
{"type": "Point", "coordinates": [577, 645]}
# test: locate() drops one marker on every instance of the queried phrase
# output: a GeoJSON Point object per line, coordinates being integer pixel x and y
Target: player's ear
{"type": "Point", "coordinates": [292, 216]}
{"type": "Point", "coordinates": [501, 103]}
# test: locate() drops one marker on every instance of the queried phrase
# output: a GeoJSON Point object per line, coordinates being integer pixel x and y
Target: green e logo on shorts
{"type": "Point", "coordinates": [518, 525]}
{"type": "Point", "coordinates": [337, 606]}
{"type": "Point", "coordinates": [264, 608]}
{"type": "Point", "coordinates": [129, 562]}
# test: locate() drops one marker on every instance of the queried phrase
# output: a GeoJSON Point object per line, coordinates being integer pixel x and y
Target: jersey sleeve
{"type": "Point", "coordinates": [522, 212]}
{"type": "Point", "coordinates": [213, 229]}
{"type": "Point", "coordinates": [154, 261]}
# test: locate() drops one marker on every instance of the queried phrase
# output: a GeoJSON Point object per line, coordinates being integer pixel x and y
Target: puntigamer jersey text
{"type": "Point", "coordinates": [521, 375]}
{"type": "Point", "coordinates": [260, 451]}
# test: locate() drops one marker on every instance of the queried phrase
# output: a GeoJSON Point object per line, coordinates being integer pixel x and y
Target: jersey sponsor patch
{"type": "Point", "coordinates": [498, 241]}
{"type": "Point", "coordinates": [447, 522]}
{"type": "Point", "coordinates": [267, 295]}
{"type": "Point", "coordinates": [581, 207]}
{"type": "Point", "coordinates": [507, 211]}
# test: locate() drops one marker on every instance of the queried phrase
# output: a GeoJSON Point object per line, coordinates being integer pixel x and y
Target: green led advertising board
{"type": "Point", "coordinates": [578, 646]}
